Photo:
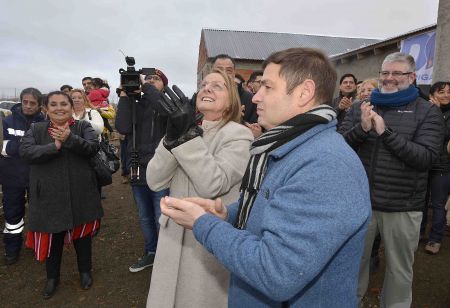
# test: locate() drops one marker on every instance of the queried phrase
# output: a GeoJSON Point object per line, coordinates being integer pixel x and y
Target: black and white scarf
{"type": "Point", "coordinates": [265, 144]}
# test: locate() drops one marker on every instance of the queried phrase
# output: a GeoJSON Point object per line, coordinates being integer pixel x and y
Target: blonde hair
{"type": "Point", "coordinates": [233, 112]}
{"type": "Point", "coordinates": [372, 81]}
{"type": "Point", "coordinates": [87, 102]}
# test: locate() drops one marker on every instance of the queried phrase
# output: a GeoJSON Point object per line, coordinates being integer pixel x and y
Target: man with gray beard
{"type": "Point", "coordinates": [397, 136]}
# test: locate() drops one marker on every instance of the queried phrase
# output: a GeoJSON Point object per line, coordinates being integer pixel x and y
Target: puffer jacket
{"type": "Point", "coordinates": [397, 165]}
{"type": "Point", "coordinates": [443, 164]}
{"type": "Point", "coordinates": [99, 97]}
{"type": "Point", "coordinates": [14, 171]}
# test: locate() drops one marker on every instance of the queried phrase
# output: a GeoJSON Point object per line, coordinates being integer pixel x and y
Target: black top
{"type": "Point", "coordinates": [246, 97]}
{"type": "Point", "coordinates": [397, 166]}
{"type": "Point", "coordinates": [63, 185]}
{"type": "Point", "coordinates": [150, 127]}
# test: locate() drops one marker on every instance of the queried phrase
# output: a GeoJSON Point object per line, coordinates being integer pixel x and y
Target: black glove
{"type": "Point", "coordinates": [181, 124]}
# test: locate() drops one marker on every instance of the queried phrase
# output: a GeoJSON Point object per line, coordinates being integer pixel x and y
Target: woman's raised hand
{"type": "Point", "coordinates": [60, 134]}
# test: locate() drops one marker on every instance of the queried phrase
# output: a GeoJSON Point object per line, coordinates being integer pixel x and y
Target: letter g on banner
{"type": "Point", "coordinates": [421, 47]}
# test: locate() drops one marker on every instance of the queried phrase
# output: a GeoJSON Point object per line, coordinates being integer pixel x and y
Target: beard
{"type": "Point", "coordinates": [397, 86]}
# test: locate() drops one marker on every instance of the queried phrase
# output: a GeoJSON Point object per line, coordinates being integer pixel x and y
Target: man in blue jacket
{"type": "Point", "coordinates": [295, 238]}
{"type": "Point", "coordinates": [14, 172]}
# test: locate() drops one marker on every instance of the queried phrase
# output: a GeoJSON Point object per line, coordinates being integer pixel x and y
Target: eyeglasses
{"type": "Point", "coordinates": [213, 85]}
{"type": "Point", "coordinates": [153, 77]}
{"type": "Point", "coordinates": [395, 74]}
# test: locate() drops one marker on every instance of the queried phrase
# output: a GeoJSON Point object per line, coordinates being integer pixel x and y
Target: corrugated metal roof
{"type": "Point", "coordinates": [251, 45]}
{"type": "Point", "coordinates": [384, 42]}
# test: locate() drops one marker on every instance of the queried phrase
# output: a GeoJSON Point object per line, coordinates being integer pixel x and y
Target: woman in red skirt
{"type": "Point", "coordinates": [64, 204]}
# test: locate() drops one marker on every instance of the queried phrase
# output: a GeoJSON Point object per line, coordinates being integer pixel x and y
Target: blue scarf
{"type": "Point", "coordinates": [396, 99]}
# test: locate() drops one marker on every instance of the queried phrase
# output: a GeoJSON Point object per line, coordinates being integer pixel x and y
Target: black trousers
{"type": "Point", "coordinates": [83, 248]}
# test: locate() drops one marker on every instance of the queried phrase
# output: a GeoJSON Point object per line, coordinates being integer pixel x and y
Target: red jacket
{"type": "Point", "coordinates": [99, 97]}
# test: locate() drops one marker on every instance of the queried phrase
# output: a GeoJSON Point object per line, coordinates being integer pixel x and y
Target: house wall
{"type": "Point", "coordinates": [243, 68]}
{"type": "Point", "coordinates": [367, 65]}
{"type": "Point", "coordinates": [246, 68]}
{"type": "Point", "coordinates": [363, 66]}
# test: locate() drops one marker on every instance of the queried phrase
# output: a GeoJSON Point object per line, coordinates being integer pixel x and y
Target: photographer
{"type": "Point", "coordinates": [150, 127]}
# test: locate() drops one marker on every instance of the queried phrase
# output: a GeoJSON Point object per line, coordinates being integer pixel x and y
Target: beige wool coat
{"type": "Point", "coordinates": [184, 273]}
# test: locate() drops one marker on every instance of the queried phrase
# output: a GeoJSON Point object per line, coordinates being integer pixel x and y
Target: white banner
{"type": "Point", "coordinates": [421, 47]}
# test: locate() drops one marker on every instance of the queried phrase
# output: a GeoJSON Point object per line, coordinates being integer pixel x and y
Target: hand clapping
{"type": "Point", "coordinates": [366, 116]}
{"type": "Point", "coordinates": [60, 134]}
{"type": "Point", "coordinates": [255, 128]}
{"type": "Point", "coordinates": [185, 212]}
{"type": "Point", "coordinates": [345, 103]}
{"type": "Point", "coordinates": [370, 119]}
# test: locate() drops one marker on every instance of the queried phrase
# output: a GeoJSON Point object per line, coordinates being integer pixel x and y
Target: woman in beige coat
{"type": "Point", "coordinates": [212, 166]}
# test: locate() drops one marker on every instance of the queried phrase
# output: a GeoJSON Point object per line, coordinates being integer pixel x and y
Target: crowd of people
{"type": "Point", "coordinates": [260, 193]}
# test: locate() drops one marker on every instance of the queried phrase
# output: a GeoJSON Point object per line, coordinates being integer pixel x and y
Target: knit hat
{"type": "Point", "coordinates": [161, 75]}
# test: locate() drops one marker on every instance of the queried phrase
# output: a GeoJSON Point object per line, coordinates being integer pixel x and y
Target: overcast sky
{"type": "Point", "coordinates": [47, 43]}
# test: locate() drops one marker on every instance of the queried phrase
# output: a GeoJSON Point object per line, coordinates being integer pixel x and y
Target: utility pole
{"type": "Point", "coordinates": [441, 66]}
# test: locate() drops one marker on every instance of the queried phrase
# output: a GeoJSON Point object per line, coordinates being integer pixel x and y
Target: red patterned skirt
{"type": "Point", "coordinates": [41, 242]}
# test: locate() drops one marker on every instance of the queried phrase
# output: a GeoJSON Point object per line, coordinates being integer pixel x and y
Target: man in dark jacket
{"type": "Point", "coordinates": [15, 173]}
{"type": "Point", "coordinates": [397, 136]}
{"type": "Point", "coordinates": [346, 97]}
{"type": "Point", "coordinates": [226, 63]}
{"type": "Point", "coordinates": [150, 128]}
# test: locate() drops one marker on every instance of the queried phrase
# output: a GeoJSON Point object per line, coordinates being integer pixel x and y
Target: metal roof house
{"type": "Point", "coordinates": [365, 62]}
{"type": "Point", "coordinates": [250, 48]}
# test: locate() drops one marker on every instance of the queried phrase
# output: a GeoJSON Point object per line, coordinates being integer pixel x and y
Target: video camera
{"type": "Point", "coordinates": [130, 78]}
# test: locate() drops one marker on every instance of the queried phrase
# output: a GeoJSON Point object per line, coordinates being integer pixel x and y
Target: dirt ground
{"type": "Point", "coordinates": [120, 243]}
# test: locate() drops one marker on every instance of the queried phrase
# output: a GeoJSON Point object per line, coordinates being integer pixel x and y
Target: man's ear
{"type": "Point", "coordinates": [306, 92]}
{"type": "Point", "coordinates": [412, 77]}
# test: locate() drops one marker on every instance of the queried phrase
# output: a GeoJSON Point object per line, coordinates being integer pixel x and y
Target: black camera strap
{"type": "Point", "coordinates": [134, 153]}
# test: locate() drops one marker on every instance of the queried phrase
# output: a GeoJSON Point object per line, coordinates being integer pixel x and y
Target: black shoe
{"type": "Point", "coordinates": [86, 280]}
{"type": "Point", "coordinates": [50, 287]}
{"type": "Point", "coordinates": [146, 261]}
{"type": "Point", "coordinates": [11, 258]}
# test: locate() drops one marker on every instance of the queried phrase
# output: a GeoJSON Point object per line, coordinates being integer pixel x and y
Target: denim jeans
{"type": "Point", "coordinates": [147, 202]}
{"type": "Point", "coordinates": [439, 187]}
